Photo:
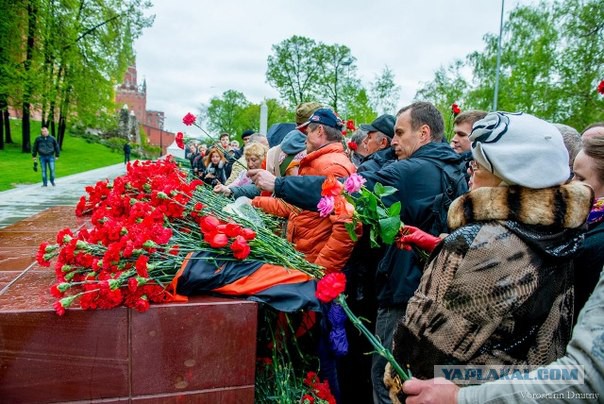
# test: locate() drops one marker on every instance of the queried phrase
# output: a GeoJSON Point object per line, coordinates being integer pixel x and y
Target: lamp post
{"type": "Point", "coordinates": [161, 143]}
{"type": "Point", "coordinates": [495, 96]}
{"type": "Point", "coordinates": [346, 63]}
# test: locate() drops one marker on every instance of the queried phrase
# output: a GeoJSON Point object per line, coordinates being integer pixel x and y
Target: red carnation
{"type": "Point", "coordinates": [601, 87]}
{"type": "Point", "coordinates": [232, 230]}
{"type": "Point", "coordinates": [141, 266]}
{"type": "Point", "coordinates": [350, 124]}
{"type": "Point", "coordinates": [59, 308]}
{"type": "Point", "coordinates": [455, 109]}
{"type": "Point", "coordinates": [330, 286]}
{"type": "Point", "coordinates": [353, 146]}
{"type": "Point", "coordinates": [331, 187]}
{"type": "Point", "coordinates": [208, 224]}
{"type": "Point", "coordinates": [189, 119]}
{"type": "Point", "coordinates": [142, 304]}
{"type": "Point", "coordinates": [217, 240]}
{"type": "Point", "coordinates": [240, 248]}
{"type": "Point", "coordinates": [248, 234]}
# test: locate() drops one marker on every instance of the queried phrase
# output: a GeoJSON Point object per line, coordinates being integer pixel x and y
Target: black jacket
{"type": "Point", "coordinates": [375, 161]}
{"type": "Point", "coordinates": [45, 146]}
{"type": "Point", "coordinates": [418, 182]}
{"type": "Point", "coordinates": [588, 265]}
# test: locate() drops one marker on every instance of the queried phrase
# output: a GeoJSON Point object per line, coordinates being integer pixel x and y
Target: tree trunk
{"type": "Point", "coordinates": [7, 132]}
{"type": "Point", "coordinates": [31, 33]}
{"type": "Point", "coordinates": [2, 106]}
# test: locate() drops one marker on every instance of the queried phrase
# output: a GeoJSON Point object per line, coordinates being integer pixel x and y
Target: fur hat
{"type": "Point", "coordinates": [521, 149]}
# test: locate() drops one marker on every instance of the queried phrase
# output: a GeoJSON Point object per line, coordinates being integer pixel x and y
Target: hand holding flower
{"type": "Point", "coordinates": [411, 235]}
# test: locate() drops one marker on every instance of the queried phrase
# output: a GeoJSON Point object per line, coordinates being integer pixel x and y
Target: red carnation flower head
{"type": "Point", "coordinates": [248, 234]}
{"type": "Point", "coordinates": [217, 240]}
{"type": "Point", "coordinates": [601, 87]}
{"type": "Point", "coordinates": [208, 224]}
{"type": "Point", "coordinates": [189, 119]}
{"type": "Point", "coordinates": [350, 125]}
{"type": "Point", "coordinates": [455, 109]}
{"type": "Point", "coordinates": [331, 187]}
{"type": "Point", "coordinates": [330, 286]}
{"type": "Point", "coordinates": [240, 248]}
{"type": "Point", "coordinates": [232, 230]}
{"type": "Point", "coordinates": [353, 146]}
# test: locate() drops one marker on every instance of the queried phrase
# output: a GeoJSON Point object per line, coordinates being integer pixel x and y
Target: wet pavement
{"type": "Point", "coordinates": [24, 201]}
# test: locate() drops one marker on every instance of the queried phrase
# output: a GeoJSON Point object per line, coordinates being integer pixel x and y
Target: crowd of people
{"type": "Point", "coordinates": [514, 259]}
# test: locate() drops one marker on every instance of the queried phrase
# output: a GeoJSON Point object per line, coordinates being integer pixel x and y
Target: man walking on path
{"type": "Point", "coordinates": [127, 150]}
{"type": "Point", "coordinates": [48, 148]}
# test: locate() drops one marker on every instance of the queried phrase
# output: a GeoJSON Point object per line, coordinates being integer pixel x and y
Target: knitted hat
{"type": "Point", "coordinates": [520, 149]}
{"type": "Point", "coordinates": [294, 142]}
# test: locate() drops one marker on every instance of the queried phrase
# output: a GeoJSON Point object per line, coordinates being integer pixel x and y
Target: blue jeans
{"type": "Point", "coordinates": [48, 162]}
{"type": "Point", "coordinates": [385, 324]}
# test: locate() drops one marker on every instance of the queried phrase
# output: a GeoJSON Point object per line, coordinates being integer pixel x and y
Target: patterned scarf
{"type": "Point", "coordinates": [597, 211]}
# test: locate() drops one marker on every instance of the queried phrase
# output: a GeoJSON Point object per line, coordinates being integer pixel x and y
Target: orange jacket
{"type": "Point", "coordinates": [324, 240]}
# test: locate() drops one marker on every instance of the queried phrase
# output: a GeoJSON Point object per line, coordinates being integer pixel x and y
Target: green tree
{"type": "Point", "coordinates": [385, 93]}
{"type": "Point", "coordinates": [337, 70]}
{"type": "Point", "coordinates": [552, 60]}
{"type": "Point", "coordinates": [75, 52]}
{"type": "Point", "coordinates": [292, 69]}
{"type": "Point", "coordinates": [224, 114]}
{"type": "Point", "coordinates": [278, 113]}
{"type": "Point", "coordinates": [11, 21]}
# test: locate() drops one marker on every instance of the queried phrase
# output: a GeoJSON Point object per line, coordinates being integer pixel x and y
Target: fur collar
{"type": "Point", "coordinates": [564, 206]}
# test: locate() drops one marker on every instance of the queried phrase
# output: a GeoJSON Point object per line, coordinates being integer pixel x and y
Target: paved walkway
{"type": "Point", "coordinates": [25, 201]}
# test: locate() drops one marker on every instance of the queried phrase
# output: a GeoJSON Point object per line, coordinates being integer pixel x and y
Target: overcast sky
{"type": "Point", "coordinates": [198, 49]}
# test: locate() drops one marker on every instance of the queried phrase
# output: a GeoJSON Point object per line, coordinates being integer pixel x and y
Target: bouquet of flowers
{"type": "Point", "coordinates": [363, 206]}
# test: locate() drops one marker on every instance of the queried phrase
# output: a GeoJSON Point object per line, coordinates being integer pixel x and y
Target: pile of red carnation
{"type": "Point", "coordinates": [143, 226]}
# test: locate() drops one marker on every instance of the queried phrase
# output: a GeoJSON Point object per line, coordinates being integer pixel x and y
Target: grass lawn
{"type": "Point", "coordinates": [77, 155]}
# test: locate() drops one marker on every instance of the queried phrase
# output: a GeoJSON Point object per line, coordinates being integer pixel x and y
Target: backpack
{"type": "Point", "coordinates": [454, 184]}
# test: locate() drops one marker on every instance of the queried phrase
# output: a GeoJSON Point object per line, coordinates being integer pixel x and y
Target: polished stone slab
{"type": "Point", "coordinates": [199, 351]}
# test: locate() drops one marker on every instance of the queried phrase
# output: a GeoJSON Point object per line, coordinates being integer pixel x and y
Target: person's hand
{"type": "Point", "coordinates": [222, 189]}
{"type": "Point", "coordinates": [263, 179]}
{"type": "Point", "coordinates": [433, 391]}
{"type": "Point", "coordinates": [410, 236]}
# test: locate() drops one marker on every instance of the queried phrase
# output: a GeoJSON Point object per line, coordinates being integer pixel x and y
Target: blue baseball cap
{"type": "Point", "coordinates": [324, 116]}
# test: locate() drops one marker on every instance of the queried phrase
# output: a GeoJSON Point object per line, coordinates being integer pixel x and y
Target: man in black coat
{"type": "Point", "coordinates": [417, 144]}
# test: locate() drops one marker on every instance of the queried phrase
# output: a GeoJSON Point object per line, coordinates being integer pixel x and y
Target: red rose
{"type": "Point", "coordinates": [217, 240]}
{"type": "Point", "coordinates": [330, 286]}
{"type": "Point", "coordinates": [240, 248]}
{"type": "Point", "coordinates": [189, 119]}
{"type": "Point", "coordinates": [601, 87]}
{"type": "Point", "coordinates": [248, 234]}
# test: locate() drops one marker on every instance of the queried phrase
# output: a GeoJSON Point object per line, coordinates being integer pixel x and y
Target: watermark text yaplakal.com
{"type": "Point", "coordinates": [469, 374]}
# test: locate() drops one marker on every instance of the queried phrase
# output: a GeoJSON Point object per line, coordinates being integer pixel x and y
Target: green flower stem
{"type": "Point", "coordinates": [375, 342]}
